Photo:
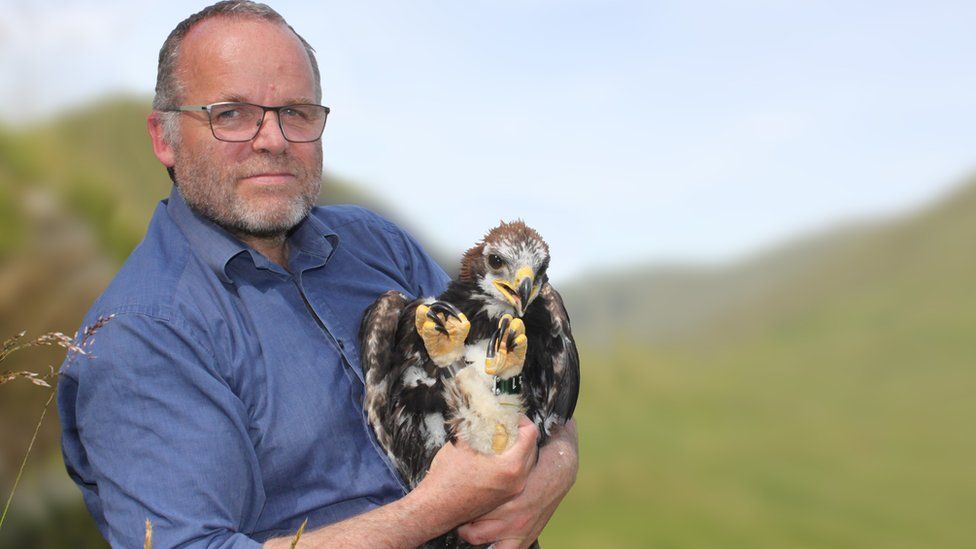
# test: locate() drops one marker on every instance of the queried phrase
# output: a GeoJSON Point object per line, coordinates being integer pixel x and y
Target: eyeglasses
{"type": "Point", "coordinates": [240, 122]}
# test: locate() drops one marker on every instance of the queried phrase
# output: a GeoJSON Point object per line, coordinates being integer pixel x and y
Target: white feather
{"type": "Point", "coordinates": [414, 377]}
{"type": "Point", "coordinates": [436, 435]}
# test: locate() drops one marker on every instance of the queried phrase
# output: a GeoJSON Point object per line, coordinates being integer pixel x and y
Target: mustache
{"type": "Point", "coordinates": [260, 166]}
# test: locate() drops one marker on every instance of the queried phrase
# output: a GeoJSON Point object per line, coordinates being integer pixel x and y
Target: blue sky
{"type": "Point", "coordinates": [625, 132]}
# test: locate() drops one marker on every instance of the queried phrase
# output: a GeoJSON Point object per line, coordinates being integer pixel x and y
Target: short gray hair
{"type": "Point", "coordinates": [169, 88]}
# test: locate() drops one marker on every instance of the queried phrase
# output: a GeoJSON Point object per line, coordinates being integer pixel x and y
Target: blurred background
{"type": "Point", "coordinates": [761, 215]}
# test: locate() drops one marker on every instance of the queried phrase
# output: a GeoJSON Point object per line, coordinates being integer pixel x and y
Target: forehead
{"type": "Point", "coordinates": [244, 58]}
{"type": "Point", "coordinates": [515, 245]}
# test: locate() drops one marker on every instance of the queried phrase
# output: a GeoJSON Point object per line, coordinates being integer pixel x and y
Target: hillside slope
{"type": "Point", "coordinates": [829, 406]}
{"type": "Point", "coordinates": [891, 258]}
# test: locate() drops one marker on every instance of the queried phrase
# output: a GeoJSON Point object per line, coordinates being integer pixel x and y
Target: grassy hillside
{"type": "Point", "coordinates": [828, 407]}
{"type": "Point", "coordinates": [667, 303]}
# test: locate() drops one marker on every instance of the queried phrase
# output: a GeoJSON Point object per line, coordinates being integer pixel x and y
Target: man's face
{"type": "Point", "coordinates": [266, 186]}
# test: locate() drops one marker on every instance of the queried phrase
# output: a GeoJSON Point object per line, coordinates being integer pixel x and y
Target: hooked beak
{"type": "Point", "coordinates": [518, 292]}
{"type": "Point", "coordinates": [525, 292]}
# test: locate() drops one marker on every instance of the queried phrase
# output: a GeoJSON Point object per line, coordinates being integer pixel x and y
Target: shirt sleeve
{"type": "Point", "coordinates": [423, 273]}
{"type": "Point", "coordinates": [152, 432]}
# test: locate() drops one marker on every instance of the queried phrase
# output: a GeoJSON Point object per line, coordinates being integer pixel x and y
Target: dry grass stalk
{"type": "Point", "coordinates": [298, 535]}
{"type": "Point", "coordinates": [30, 447]}
{"type": "Point", "coordinates": [33, 377]}
{"type": "Point", "coordinates": [75, 347]}
{"type": "Point", "coordinates": [53, 338]}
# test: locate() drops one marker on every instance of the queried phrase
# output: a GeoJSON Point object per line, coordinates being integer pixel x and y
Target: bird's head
{"type": "Point", "coordinates": [508, 266]}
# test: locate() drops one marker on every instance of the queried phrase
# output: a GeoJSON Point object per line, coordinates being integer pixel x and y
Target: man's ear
{"type": "Point", "coordinates": [163, 150]}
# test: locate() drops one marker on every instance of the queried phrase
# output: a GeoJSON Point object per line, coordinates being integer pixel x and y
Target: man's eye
{"type": "Point", "coordinates": [228, 114]}
{"type": "Point", "coordinates": [296, 114]}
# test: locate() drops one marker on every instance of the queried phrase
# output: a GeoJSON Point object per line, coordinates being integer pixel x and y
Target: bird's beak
{"type": "Point", "coordinates": [521, 291]}
{"type": "Point", "coordinates": [525, 291]}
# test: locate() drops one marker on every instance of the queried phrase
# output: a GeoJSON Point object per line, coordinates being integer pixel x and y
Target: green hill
{"type": "Point", "coordinates": [814, 396]}
{"type": "Point", "coordinates": [670, 303]}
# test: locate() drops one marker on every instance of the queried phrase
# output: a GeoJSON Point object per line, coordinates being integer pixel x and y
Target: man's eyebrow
{"type": "Point", "coordinates": [233, 98]}
{"type": "Point", "coordinates": [237, 98]}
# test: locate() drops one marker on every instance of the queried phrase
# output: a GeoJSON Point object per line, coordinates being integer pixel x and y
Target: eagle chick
{"type": "Point", "coordinates": [496, 344]}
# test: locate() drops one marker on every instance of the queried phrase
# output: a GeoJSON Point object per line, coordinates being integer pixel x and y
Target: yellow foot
{"type": "Point", "coordinates": [443, 329]}
{"type": "Point", "coordinates": [499, 441]}
{"type": "Point", "coordinates": [507, 347]}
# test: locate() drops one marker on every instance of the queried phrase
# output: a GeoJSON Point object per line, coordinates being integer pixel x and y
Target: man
{"type": "Point", "coordinates": [223, 400]}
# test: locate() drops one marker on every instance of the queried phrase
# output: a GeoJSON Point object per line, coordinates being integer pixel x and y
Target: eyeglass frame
{"type": "Point", "coordinates": [265, 109]}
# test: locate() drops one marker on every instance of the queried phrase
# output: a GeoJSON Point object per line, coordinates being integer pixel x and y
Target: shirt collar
{"type": "Point", "coordinates": [310, 244]}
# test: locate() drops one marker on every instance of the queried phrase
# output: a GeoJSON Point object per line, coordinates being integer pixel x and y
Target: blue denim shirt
{"type": "Point", "coordinates": [223, 401]}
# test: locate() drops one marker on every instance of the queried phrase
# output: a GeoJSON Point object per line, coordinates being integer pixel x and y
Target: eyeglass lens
{"type": "Point", "coordinates": [242, 121]}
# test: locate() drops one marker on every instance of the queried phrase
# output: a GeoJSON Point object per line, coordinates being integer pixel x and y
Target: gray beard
{"type": "Point", "coordinates": [242, 219]}
{"type": "Point", "coordinates": [210, 193]}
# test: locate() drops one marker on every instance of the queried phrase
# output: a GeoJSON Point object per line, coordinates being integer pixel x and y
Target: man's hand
{"type": "Point", "coordinates": [470, 484]}
{"type": "Point", "coordinates": [519, 521]}
{"type": "Point", "coordinates": [462, 484]}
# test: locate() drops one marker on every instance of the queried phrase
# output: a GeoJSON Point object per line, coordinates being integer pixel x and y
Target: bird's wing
{"type": "Point", "coordinates": [377, 339]}
{"type": "Point", "coordinates": [565, 357]}
{"type": "Point", "coordinates": [417, 408]}
{"type": "Point", "coordinates": [404, 393]}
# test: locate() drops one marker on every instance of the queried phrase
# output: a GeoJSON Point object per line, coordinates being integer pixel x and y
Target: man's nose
{"type": "Point", "coordinates": [269, 137]}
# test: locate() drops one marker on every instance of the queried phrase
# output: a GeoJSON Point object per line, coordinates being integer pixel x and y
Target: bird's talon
{"type": "Point", "coordinates": [499, 440]}
{"type": "Point", "coordinates": [443, 329]}
{"type": "Point", "coordinates": [446, 309]}
{"type": "Point", "coordinates": [504, 323]}
{"type": "Point", "coordinates": [506, 347]}
{"type": "Point", "coordinates": [433, 317]}
{"type": "Point", "coordinates": [492, 346]}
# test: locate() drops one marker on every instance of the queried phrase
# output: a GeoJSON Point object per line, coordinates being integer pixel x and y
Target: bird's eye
{"type": "Point", "coordinates": [495, 262]}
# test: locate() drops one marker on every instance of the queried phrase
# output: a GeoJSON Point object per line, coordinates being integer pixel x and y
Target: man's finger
{"type": "Point", "coordinates": [528, 435]}
{"type": "Point", "coordinates": [481, 531]}
{"type": "Point", "coordinates": [527, 430]}
{"type": "Point", "coordinates": [528, 439]}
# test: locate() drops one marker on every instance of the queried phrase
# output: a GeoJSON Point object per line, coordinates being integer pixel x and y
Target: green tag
{"type": "Point", "coordinates": [510, 386]}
